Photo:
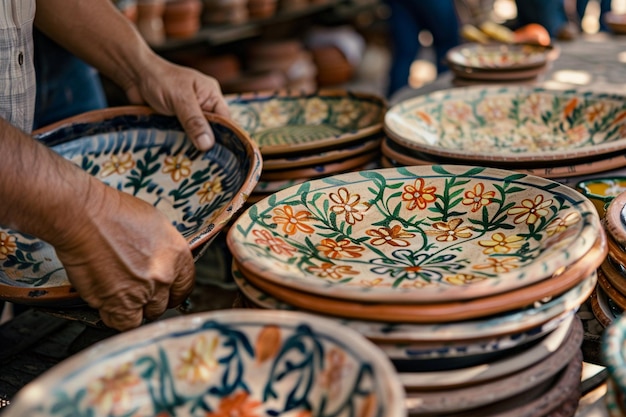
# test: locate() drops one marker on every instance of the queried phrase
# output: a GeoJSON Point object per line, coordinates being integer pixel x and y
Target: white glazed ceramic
{"type": "Point", "coordinates": [497, 57]}
{"type": "Point", "coordinates": [146, 155]}
{"type": "Point", "coordinates": [510, 124]}
{"type": "Point", "coordinates": [416, 234]}
{"type": "Point", "coordinates": [224, 363]}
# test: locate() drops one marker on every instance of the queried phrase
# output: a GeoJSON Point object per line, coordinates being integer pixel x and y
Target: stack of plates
{"type": "Point", "coordinates": [609, 299]}
{"type": "Point", "coordinates": [551, 134]}
{"type": "Point", "coordinates": [478, 63]}
{"type": "Point", "coordinates": [468, 278]}
{"type": "Point", "coordinates": [304, 136]}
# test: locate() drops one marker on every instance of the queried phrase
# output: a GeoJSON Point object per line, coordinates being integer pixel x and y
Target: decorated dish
{"type": "Point", "coordinates": [149, 156]}
{"type": "Point", "coordinates": [416, 234]}
{"type": "Point", "coordinates": [497, 57]}
{"type": "Point", "coordinates": [601, 191]}
{"type": "Point", "coordinates": [615, 219]}
{"type": "Point", "coordinates": [513, 124]}
{"type": "Point", "coordinates": [289, 122]}
{"type": "Point", "coordinates": [222, 363]}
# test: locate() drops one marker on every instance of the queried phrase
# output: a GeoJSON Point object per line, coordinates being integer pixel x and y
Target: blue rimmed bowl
{"type": "Point", "coordinates": [232, 362]}
{"type": "Point", "coordinates": [149, 156]}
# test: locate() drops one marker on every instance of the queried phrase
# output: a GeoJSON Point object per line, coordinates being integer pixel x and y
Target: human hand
{"type": "Point", "coordinates": [174, 90]}
{"type": "Point", "coordinates": [125, 258]}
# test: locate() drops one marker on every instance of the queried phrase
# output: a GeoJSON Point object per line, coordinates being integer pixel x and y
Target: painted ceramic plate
{"type": "Point", "coordinates": [614, 352]}
{"type": "Point", "coordinates": [417, 234]}
{"type": "Point", "coordinates": [288, 122]}
{"type": "Point", "coordinates": [601, 191]}
{"type": "Point", "coordinates": [231, 362]}
{"type": "Point", "coordinates": [511, 124]}
{"type": "Point", "coordinates": [497, 57]}
{"type": "Point", "coordinates": [473, 375]}
{"type": "Point", "coordinates": [466, 398]}
{"type": "Point", "coordinates": [496, 76]}
{"type": "Point", "coordinates": [146, 155]}
{"type": "Point", "coordinates": [548, 313]}
{"type": "Point", "coordinates": [333, 167]}
{"type": "Point", "coordinates": [615, 219]}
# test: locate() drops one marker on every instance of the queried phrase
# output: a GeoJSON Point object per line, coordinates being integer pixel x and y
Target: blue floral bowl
{"type": "Point", "coordinates": [149, 156]}
{"type": "Point", "coordinates": [233, 362]}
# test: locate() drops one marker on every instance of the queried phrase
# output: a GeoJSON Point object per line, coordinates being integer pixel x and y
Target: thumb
{"type": "Point", "coordinates": [196, 126]}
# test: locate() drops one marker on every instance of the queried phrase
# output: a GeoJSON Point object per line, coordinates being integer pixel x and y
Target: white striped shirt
{"type": "Point", "coordinates": [17, 72]}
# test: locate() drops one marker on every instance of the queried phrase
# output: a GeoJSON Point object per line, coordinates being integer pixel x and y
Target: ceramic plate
{"type": "Point", "coordinates": [312, 159]}
{"type": "Point", "coordinates": [326, 169]}
{"type": "Point", "coordinates": [465, 398]}
{"type": "Point", "coordinates": [600, 307]}
{"type": "Point", "coordinates": [497, 57]}
{"type": "Point", "coordinates": [496, 76]}
{"type": "Point", "coordinates": [546, 313]}
{"type": "Point", "coordinates": [474, 375]}
{"type": "Point", "coordinates": [222, 363]}
{"type": "Point", "coordinates": [601, 191]}
{"type": "Point", "coordinates": [416, 234]}
{"type": "Point", "coordinates": [614, 352]}
{"type": "Point", "coordinates": [289, 122]}
{"type": "Point", "coordinates": [615, 219]}
{"type": "Point", "coordinates": [146, 155]}
{"type": "Point", "coordinates": [510, 124]}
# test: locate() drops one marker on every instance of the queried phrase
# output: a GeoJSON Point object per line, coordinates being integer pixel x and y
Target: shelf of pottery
{"type": "Point", "coordinates": [317, 57]}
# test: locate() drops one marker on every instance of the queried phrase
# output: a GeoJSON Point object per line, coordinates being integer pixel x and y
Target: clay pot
{"type": "Point", "coordinates": [150, 20]}
{"type": "Point", "coordinates": [221, 67]}
{"type": "Point", "coordinates": [181, 18]}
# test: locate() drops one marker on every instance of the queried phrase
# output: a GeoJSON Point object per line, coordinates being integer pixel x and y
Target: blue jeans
{"type": "Point", "coordinates": [66, 86]}
{"type": "Point", "coordinates": [408, 18]}
{"type": "Point", "coordinates": [605, 6]}
{"type": "Point", "coordinates": [548, 13]}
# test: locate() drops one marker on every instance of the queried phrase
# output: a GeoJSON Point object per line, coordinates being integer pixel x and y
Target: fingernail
{"type": "Point", "coordinates": [205, 142]}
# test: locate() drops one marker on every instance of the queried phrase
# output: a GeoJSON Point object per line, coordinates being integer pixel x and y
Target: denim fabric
{"type": "Point", "coordinates": [605, 6]}
{"type": "Point", "coordinates": [408, 18]}
{"type": "Point", "coordinates": [66, 86]}
{"type": "Point", "coordinates": [548, 13]}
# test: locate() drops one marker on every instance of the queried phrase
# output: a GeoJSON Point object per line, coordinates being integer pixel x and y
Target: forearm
{"type": "Point", "coordinates": [95, 31]}
{"type": "Point", "coordinates": [40, 191]}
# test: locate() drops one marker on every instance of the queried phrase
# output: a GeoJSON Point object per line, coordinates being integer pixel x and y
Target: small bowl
{"type": "Point", "coordinates": [147, 155]}
{"type": "Point", "coordinates": [231, 362]}
{"type": "Point", "coordinates": [601, 191]}
{"type": "Point", "coordinates": [291, 122]}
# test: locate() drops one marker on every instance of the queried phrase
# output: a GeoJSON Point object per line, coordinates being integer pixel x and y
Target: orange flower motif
{"type": "Point", "coordinates": [394, 236]}
{"type": "Point", "coordinates": [118, 164]}
{"type": "Point", "coordinates": [267, 343]}
{"type": "Point", "coordinates": [198, 362]}
{"type": "Point", "coordinates": [7, 245]}
{"type": "Point", "coordinates": [209, 190]}
{"type": "Point", "coordinates": [449, 231]}
{"type": "Point", "coordinates": [340, 249]}
{"type": "Point", "coordinates": [596, 111]}
{"type": "Point", "coordinates": [463, 279]}
{"type": "Point", "coordinates": [529, 211]}
{"type": "Point", "coordinates": [417, 195]}
{"type": "Point", "coordinates": [112, 391]}
{"type": "Point", "coordinates": [178, 166]}
{"type": "Point", "coordinates": [238, 404]}
{"type": "Point", "coordinates": [499, 265]}
{"type": "Point", "coordinates": [477, 197]}
{"type": "Point", "coordinates": [376, 282]}
{"type": "Point", "coordinates": [293, 222]}
{"type": "Point", "coordinates": [349, 205]}
{"type": "Point", "coordinates": [570, 107]}
{"type": "Point", "coordinates": [328, 270]}
{"type": "Point", "coordinates": [276, 244]}
{"type": "Point", "coordinates": [500, 243]}
{"type": "Point", "coordinates": [336, 368]}
{"type": "Point", "coordinates": [424, 116]}
{"type": "Point", "coordinates": [558, 225]}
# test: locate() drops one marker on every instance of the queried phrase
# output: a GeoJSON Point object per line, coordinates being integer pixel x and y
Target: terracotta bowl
{"type": "Point", "coordinates": [291, 122]}
{"type": "Point", "coordinates": [232, 362]}
{"type": "Point", "coordinates": [510, 124]}
{"type": "Point", "coordinates": [149, 156]}
{"type": "Point", "coordinates": [423, 234]}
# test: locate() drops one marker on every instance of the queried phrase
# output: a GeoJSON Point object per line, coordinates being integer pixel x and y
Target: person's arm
{"type": "Point", "coordinates": [97, 32]}
{"type": "Point", "coordinates": [123, 256]}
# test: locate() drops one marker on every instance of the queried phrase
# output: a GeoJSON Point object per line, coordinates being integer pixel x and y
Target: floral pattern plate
{"type": "Point", "coordinates": [510, 124]}
{"type": "Point", "coordinates": [614, 352]}
{"type": "Point", "coordinates": [417, 234]}
{"type": "Point", "coordinates": [226, 363]}
{"type": "Point", "coordinates": [288, 122]}
{"type": "Point", "coordinates": [147, 155]}
{"type": "Point", "coordinates": [498, 57]}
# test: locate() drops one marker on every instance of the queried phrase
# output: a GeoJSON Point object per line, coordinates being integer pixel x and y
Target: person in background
{"type": "Point", "coordinates": [408, 18]}
{"type": "Point", "coordinates": [551, 14]}
{"type": "Point", "coordinates": [121, 254]}
{"type": "Point", "coordinates": [605, 7]}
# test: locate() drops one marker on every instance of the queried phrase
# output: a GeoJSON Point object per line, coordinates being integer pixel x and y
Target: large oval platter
{"type": "Point", "coordinates": [415, 234]}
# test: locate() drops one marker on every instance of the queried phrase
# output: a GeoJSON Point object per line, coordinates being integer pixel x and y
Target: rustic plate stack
{"type": "Point", "coordinates": [609, 300]}
{"type": "Point", "coordinates": [149, 156]}
{"type": "Point", "coordinates": [547, 133]}
{"type": "Point", "coordinates": [309, 135]}
{"type": "Point", "coordinates": [475, 63]}
{"type": "Point", "coordinates": [466, 277]}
